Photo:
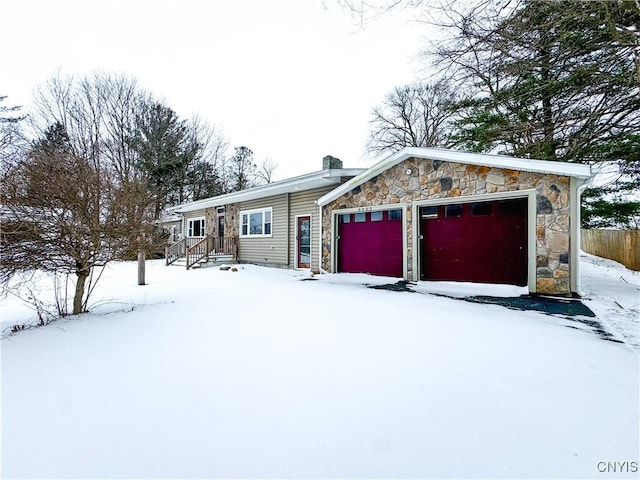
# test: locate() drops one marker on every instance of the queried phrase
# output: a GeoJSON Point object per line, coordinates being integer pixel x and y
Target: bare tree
{"type": "Point", "coordinates": [10, 137]}
{"type": "Point", "coordinates": [105, 153]}
{"type": "Point", "coordinates": [363, 11]}
{"type": "Point", "coordinates": [63, 213]}
{"type": "Point", "coordinates": [99, 112]}
{"type": "Point", "coordinates": [241, 169]}
{"type": "Point", "coordinates": [72, 201]}
{"type": "Point", "coordinates": [416, 115]}
{"type": "Point", "coordinates": [266, 169]}
{"type": "Point", "coordinates": [207, 173]}
{"type": "Point", "coordinates": [124, 101]}
{"type": "Point", "coordinates": [120, 126]}
{"type": "Point", "coordinates": [214, 146]}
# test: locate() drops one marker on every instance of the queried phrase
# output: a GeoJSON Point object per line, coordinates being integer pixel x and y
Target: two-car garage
{"type": "Point", "coordinates": [483, 242]}
{"type": "Point", "coordinates": [445, 215]}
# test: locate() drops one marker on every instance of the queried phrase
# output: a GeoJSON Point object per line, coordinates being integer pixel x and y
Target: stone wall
{"type": "Point", "coordinates": [433, 179]}
{"type": "Point", "coordinates": [211, 221]}
{"type": "Point", "coordinates": [231, 220]}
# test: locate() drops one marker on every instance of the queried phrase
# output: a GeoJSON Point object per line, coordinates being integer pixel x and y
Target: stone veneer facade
{"type": "Point", "coordinates": [231, 220]}
{"type": "Point", "coordinates": [433, 179]}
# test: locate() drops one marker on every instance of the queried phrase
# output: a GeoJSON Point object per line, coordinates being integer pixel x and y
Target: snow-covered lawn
{"type": "Point", "coordinates": [264, 373]}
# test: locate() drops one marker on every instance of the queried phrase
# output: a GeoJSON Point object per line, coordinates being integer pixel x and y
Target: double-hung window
{"type": "Point", "coordinates": [196, 227]}
{"type": "Point", "coordinates": [256, 223]}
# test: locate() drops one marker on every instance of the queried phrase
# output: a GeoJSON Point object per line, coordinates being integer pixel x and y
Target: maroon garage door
{"type": "Point", "coordinates": [370, 242]}
{"type": "Point", "coordinates": [483, 242]}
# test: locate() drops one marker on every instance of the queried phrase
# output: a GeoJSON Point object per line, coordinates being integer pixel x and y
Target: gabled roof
{"type": "Point", "coordinates": [500, 161]}
{"type": "Point", "coordinates": [309, 181]}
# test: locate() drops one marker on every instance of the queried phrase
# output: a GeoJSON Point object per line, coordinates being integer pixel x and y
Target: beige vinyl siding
{"type": "Point", "coordinates": [194, 214]}
{"type": "Point", "coordinates": [168, 228]}
{"type": "Point", "coordinates": [272, 250]}
{"type": "Point", "coordinates": [303, 203]}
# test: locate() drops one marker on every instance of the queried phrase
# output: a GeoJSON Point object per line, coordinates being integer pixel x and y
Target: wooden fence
{"type": "Point", "coordinates": [620, 245]}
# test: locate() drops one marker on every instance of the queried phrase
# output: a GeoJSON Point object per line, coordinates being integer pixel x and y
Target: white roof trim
{"type": "Point", "coordinates": [169, 219]}
{"type": "Point", "coordinates": [309, 181]}
{"type": "Point", "coordinates": [577, 170]}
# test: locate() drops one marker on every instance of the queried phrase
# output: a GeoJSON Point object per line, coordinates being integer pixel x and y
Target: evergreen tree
{"type": "Point", "coordinates": [547, 79]}
{"type": "Point", "coordinates": [164, 153]}
{"type": "Point", "coordinates": [204, 180]}
{"type": "Point", "coordinates": [554, 80]}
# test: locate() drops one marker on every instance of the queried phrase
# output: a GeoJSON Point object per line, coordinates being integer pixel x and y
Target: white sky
{"type": "Point", "coordinates": [290, 79]}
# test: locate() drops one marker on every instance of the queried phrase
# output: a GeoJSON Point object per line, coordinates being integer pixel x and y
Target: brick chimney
{"type": "Point", "coordinates": [329, 162]}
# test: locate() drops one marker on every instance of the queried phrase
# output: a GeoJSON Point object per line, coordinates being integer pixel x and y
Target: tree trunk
{"type": "Point", "coordinates": [82, 274]}
{"type": "Point", "coordinates": [548, 151]}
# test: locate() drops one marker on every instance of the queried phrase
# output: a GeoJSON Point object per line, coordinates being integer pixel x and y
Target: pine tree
{"type": "Point", "coordinates": [554, 80]}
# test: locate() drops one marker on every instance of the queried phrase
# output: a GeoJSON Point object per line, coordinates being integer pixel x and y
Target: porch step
{"type": "Point", "coordinates": [220, 259]}
{"type": "Point", "coordinates": [212, 261]}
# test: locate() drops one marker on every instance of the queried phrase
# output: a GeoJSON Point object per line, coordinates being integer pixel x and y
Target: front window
{"type": "Point", "coordinates": [256, 223]}
{"type": "Point", "coordinates": [196, 227]}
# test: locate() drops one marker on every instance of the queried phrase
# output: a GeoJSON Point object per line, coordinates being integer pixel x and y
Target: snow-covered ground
{"type": "Point", "coordinates": [613, 293]}
{"type": "Point", "coordinates": [265, 373]}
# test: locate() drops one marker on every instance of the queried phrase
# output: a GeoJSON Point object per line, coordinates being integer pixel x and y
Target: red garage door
{"type": "Point", "coordinates": [483, 242]}
{"type": "Point", "coordinates": [371, 242]}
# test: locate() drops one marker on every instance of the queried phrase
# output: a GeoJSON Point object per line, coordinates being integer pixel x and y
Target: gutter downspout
{"type": "Point", "coordinates": [578, 185]}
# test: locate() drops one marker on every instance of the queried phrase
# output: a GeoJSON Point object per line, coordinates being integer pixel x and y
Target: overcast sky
{"type": "Point", "coordinates": [293, 80]}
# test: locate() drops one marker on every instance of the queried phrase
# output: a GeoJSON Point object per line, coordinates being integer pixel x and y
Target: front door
{"type": "Point", "coordinates": [220, 225]}
{"type": "Point", "coordinates": [220, 246]}
{"type": "Point", "coordinates": [304, 242]}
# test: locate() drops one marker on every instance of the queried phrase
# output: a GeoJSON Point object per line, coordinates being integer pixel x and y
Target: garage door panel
{"type": "Point", "coordinates": [486, 243]}
{"type": "Point", "coordinates": [370, 246]}
{"type": "Point", "coordinates": [482, 250]}
{"type": "Point", "coordinates": [451, 230]}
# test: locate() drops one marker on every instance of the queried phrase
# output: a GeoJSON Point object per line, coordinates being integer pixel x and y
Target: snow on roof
{"type": "Point", "coordinates": [500, 161]}
{"type": "Point", "coordinates": [169, 219]}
